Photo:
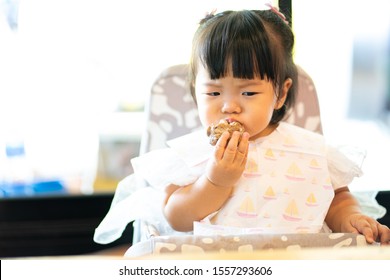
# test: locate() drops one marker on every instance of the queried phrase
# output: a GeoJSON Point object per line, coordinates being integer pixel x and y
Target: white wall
{"type": "Point", "coordinates": [324, 49]}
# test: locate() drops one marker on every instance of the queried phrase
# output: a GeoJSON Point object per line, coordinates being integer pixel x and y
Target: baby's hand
{"type": "Point", "coordinates": [229, 160]}
{"type": "Point", "coordinates": [372, 230]}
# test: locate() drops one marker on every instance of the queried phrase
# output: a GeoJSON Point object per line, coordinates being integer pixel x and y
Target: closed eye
{"type": "Point", "coordinates": [214, 93]}
{"type": "Point", "coordinates": [249, 93]}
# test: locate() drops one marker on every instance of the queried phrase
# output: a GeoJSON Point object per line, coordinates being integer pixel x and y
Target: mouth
{"type": "Point", "coordinates": [230, 120]}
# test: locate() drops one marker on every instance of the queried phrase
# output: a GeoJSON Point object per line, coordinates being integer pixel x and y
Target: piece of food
{"type": "Point", "coordinates": [215, 131]}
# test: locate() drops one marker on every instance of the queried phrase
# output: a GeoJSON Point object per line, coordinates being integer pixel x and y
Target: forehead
{"type": "Point", "coordinates": [202, 72]}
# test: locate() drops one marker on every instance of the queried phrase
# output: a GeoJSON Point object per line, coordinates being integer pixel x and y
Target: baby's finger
{"type": "Point", "coordinates": [374, 228]}
{"type": "Point", "coordinates": [221, 145]}
{"type": "Point", "coordinates": [384, 234]}
{"type": "Point", "coordinates": [365, 228]}
{"type": "Point", "coordinates": [232, 147]}
{"type": "Point", "coordinates": [242, 151]}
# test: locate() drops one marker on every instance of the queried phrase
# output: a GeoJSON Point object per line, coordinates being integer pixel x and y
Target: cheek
{"type": "Point", "coordinates": [262, 116]}
{"type": "Point", "coordinates": [204, 113]}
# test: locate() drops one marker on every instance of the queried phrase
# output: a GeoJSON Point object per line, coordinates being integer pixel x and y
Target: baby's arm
{"type": "Point", "coordinates": [192, 203]}
{"type": "Point", "coordinates": [344, 215]}
{"type": "Point", "coordinates": [184, 205]}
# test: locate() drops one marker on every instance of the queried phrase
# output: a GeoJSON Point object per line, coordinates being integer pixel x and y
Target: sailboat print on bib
{"type": "Point", "coordinates": [328, 184]}
{"type": "Point", "coordinates": [294, 173]}
{"type": "Point", "coordinates": [269, 154]}
{"type": "Point", "coordinates": [289, 141]}
{"type": "Point", "coordinates": [314, 164]}
{"type": "Point", "coordinates": [291, 213]}
{"type": "Point", "coordinates": [269, 193]}
{"type": "Point", "coordinates": [251, 169]}
{"type": "Point", "coordinates": [311, 200]}
{"type": "Point", "coordinates": [247, 208]}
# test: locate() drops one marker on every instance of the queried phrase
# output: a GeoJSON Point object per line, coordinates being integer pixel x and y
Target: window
{"type": "Point", "coordinates": [344, 45]}
{"type": "Point", "coordinates": [76, 73]}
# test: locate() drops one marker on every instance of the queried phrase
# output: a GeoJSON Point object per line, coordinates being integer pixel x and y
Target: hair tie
{"type": "Point", "coordinates": [276, 11]}
{"type": "Point", "coordinates": [208, 16]}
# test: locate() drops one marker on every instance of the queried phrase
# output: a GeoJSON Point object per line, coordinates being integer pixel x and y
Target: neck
{"type": "Point", "coordinates": [267, 131]}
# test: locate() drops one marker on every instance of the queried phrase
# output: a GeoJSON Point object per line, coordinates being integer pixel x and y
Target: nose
{"type": "Point", "coordinates": [230, 106]}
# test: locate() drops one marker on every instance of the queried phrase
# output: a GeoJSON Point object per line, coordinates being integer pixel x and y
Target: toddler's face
{"type": "Point", "coordinates": [250, 102]}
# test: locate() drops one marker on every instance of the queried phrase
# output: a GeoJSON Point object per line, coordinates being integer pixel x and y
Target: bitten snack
{"type": "Point", "coordinates": [215, 131]}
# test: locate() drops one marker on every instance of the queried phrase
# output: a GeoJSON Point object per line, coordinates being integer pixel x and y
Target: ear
{"type": "Point", "coordinates": [283, 93]}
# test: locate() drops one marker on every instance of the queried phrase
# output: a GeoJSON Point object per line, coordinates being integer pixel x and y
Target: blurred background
{"type": "Point", "coordinates": [75, 75]}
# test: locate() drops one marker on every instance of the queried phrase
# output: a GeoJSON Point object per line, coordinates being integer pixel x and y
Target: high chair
{"type": "Point", "coordinates": [171, 113]}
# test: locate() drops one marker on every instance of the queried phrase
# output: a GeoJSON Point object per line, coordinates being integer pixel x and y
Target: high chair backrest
{"type": "Point", "coordinates": [171, 111]}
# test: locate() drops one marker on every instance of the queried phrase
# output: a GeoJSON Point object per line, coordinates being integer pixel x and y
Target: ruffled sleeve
{"type": "Point", "coordinates": [344, 164]}
{"type": "Point", "coordinates": [140, 195]}
{"type": "Point", "coordinates": [144, 203]}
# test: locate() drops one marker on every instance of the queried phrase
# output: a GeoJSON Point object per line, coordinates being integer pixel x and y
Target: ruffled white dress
{"type": "Point", "coordinates": [287, 186]}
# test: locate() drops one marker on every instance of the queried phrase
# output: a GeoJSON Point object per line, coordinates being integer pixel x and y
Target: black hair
{"type": "Point", "coordinates": [254, 43]}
